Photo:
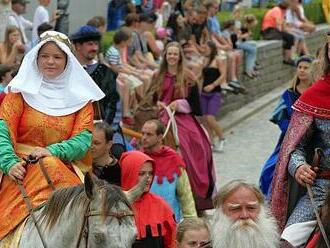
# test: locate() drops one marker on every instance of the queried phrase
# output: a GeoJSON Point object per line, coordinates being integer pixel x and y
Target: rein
{"type": "Point", "coordinates": [31, 160]}
{"type": "Point", "coordinates": [88, 213]}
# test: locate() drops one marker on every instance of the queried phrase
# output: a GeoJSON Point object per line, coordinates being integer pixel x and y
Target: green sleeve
{"type": "Point", "coordinates": [185, 196]}
{"type": "Point", "coordinates": [7, 153]}
{"type": "Point", "coordinates": [74, 148]}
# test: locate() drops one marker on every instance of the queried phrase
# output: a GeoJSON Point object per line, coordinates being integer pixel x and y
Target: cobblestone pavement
{"type": "Point", "coordinates": [248, 145]}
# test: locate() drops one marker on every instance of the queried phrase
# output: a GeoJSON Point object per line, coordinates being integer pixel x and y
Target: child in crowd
{"type": "Point", "coordinates": [128, 78]}
{"type": "Point", "coordinates": [193, 232]}
{"type": "Point", "coordinates": [239, 41]}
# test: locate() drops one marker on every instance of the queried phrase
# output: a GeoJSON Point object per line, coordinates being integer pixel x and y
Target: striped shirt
{"type": "Point", "coordinates": [113, 56]}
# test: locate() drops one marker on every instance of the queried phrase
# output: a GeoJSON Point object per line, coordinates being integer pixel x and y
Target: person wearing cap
{"type": "Point", "coordinates": [47, 115]}
{"type": "Point", "coordinates": [87, 44]}
{"type": "Point", "coordinates": [304, 160]}
{"type": "Point", "coordinates": [17, 19]}
{"type": "Point", "coordinates": [281, 116]}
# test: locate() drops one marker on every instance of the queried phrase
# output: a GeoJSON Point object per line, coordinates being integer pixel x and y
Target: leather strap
{"type": "Point", "coordinates": [45, 173]}
{"type": "Point", "coordinates": [31, 211]}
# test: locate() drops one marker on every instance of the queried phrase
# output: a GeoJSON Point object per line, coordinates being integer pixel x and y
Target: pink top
{"type": "Point", "coordinates": [269, 20]}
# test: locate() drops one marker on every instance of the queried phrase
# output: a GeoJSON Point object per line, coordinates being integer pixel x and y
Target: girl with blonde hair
{"type": "Point", "coordinates": [12, 49]}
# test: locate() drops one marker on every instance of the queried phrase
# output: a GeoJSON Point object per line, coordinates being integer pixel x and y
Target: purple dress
{"type": "Point", "coordinates": [194, 145]}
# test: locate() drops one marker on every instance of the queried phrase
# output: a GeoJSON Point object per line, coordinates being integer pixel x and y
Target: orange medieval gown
{"type": "Point", "coordinates": [30, 128]}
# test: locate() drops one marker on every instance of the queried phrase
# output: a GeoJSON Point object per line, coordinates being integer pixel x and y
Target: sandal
{"type": "Point", "coordinates": [236, 85]}
{"type": "Point", "coordinates": [249, 74]}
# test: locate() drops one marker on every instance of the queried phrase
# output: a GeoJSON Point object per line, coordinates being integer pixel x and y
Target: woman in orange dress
{"type": "Point", "coordinates": [47, 113]}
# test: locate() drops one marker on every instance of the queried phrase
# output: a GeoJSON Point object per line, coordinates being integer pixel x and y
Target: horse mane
{"type": "Point", "coordinates": [75, 196]}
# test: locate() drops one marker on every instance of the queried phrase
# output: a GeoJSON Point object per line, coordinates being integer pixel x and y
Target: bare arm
{"type": "Point", "coordinates": [152, 44]}
{"type": "Point", "coordinates": [222, 43]}
{"type": "Point", "coordinates": [11, 58]}
{"type": "Point", "coordinates": [222, 67]}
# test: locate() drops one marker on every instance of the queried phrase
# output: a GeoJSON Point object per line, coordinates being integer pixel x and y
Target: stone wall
{"type": "Point", "coordinates": [272, 72]}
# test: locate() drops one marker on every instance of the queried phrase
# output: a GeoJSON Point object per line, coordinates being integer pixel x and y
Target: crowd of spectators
{"type": "Point", "coordinates": [144, 28]}
{"type": "Point", "coordinates": [152, 39]}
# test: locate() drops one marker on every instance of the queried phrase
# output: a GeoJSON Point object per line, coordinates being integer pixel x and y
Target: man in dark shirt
{"type": "Point", "coordinates": [87, 43]}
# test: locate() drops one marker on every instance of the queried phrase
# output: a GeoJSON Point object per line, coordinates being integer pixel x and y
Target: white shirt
{"type": "Point", "coordinates": [20, 22]}
{"type": "Point", "coordinates": [41, 15]}
{"type": "Point", "coordinates": [292, 18]}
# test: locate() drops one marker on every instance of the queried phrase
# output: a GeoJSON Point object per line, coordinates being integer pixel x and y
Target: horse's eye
{"type": "Point", "coordinates": [99, 238]}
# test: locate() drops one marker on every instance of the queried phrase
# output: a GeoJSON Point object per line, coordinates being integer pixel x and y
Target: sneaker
{"type": "Point", "coordinates": [227, 88]}
{"type": "Point", "coordinates": [219, 146]}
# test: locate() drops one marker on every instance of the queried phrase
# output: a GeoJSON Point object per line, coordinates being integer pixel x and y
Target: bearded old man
{"type": "Point", "coordinates": [241, 219]}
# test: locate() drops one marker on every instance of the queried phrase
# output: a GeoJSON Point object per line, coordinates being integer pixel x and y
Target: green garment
{"type": "Point", "coordinates": [74, 148]}
{"type": "Point", "coordinates": [7, 154]}
{"type": "Point", "coordinates": [185, 195]}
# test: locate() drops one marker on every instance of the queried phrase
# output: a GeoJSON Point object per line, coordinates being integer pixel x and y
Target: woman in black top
{"type": "Point", "coordinates": [214, 74]}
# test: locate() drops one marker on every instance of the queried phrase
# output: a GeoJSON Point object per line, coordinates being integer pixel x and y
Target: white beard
{"type": "Point", "coordinates": [244, 233]}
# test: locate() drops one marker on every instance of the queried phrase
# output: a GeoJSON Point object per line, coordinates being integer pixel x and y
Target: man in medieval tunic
{"type": "Point", "coordinates": [309, 129]}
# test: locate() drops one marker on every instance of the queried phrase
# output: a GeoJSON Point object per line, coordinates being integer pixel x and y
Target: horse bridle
{"type": "Point", "coordinates": [88, 213]}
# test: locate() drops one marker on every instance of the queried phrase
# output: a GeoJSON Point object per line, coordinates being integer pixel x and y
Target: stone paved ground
{"type": "Point", "coordinates": [248, 145]}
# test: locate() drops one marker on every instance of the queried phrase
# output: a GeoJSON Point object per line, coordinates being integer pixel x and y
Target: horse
{"type": "Point", "coordinates": [93, 214]}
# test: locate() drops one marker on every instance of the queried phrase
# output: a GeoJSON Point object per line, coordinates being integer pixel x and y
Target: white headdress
{"type": "Point", "coordinates": [63, 95]}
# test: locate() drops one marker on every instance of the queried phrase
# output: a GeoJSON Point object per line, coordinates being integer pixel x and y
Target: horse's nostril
{"type": "Point", "coordinates": [99, 237]}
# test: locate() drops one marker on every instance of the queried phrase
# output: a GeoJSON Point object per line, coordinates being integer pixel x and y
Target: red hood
{"type": "Point", "coordinates": [130, 164]}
